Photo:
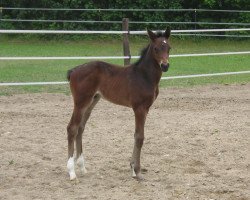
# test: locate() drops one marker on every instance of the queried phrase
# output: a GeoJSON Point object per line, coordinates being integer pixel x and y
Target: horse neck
{"type": "Point", "coordinates": [150, 68]}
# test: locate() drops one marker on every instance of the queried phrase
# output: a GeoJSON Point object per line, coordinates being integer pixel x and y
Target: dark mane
{"type": "Point", "coordinates": [144, 50]}
{"type": "Point", "coordinates": [143, 53]}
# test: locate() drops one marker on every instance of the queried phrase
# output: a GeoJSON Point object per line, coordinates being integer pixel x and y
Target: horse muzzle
{"type": "Point", "coordinates": [164, 66]}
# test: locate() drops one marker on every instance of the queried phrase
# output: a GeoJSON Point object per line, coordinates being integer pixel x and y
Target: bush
{"type": "Point", "coordinates": [118, 15]}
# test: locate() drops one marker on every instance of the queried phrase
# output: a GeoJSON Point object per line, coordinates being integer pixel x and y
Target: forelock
{"type": "Point", "coordinates": [159, 34]}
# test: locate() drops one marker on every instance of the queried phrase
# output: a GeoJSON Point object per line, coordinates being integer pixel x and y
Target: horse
{"type": "Point", "coordinates": [135, 86]}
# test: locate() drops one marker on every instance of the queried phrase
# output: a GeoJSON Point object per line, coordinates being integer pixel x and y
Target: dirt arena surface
{"type": "Point", "coordinates": [197, 146]}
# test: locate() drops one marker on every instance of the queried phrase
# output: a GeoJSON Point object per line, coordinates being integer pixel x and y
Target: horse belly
{"type": "Point", "coordinates": [115, 98]}
{"type": "Point", "coordinates": [115, 93]}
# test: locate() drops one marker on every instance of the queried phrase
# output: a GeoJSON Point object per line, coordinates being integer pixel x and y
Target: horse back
{"type": "Point", "coordinates": [120, 85]}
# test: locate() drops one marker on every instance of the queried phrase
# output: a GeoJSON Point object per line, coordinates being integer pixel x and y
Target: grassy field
{"type": "Point", "coordinates": [55, 70]}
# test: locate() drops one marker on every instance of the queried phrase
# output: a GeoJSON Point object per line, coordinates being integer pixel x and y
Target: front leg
{"type": "Point", "coordinates": [140, 118]}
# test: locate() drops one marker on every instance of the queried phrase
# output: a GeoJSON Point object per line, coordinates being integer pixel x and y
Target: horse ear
{"type": "Point", "coordinates": [151, 35]}
{"type": "Point", "coordinates": [167, 32]}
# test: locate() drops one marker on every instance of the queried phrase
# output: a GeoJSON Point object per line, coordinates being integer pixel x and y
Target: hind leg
{"type": "Point", "coordinates": [72, 130]}
{"type": "Point", "coordinates": [86, 115]}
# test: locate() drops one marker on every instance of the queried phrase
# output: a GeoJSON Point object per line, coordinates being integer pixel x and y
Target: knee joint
{"type": "Point", "coordinates": [72, 130]}
{"type": "Point", "coordinates": [139, 140]}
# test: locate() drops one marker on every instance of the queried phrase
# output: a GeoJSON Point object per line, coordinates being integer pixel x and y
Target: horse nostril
{"type": "Point", "coordinates": [165, 67]}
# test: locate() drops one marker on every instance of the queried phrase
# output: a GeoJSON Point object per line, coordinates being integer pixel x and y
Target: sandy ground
{"type": "Point", "coordinates": [197, 147]}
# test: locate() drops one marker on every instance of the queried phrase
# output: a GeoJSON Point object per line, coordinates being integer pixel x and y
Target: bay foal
{"type": "Point", "coordinates": [134, 86]}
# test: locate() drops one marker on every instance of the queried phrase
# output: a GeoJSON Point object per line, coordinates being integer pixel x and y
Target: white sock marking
{"type": "Point", "coordinates": [80, 163]}
{"type": "Point", "coordinates": [133, 171]}
{"type": "Point", "coordinates": [71, 168]}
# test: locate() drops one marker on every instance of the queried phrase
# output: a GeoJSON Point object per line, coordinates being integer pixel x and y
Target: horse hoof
{"type": "Point", "coordinates": [84, 170]}
{"type": "Point", "coordinates": [72, 176]}
{"type": "Point", "coordinates": [133, 173]}
{"type": "Point", "coordinates": [136, 176]}
{"type": "Point", "coordinates": [133, 170]}
{"type": "Point", "coordinates": [139, 177]}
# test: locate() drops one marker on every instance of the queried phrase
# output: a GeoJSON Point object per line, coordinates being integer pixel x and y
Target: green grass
{"type": "Point", "coordinates": [55, 70]}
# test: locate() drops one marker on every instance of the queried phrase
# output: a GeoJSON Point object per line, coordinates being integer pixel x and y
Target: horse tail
{"type": "Point", "coordinates": [69, 73]}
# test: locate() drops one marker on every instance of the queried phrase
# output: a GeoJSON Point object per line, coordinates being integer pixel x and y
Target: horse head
{"type": "Point", "coordinates": [161, 47]}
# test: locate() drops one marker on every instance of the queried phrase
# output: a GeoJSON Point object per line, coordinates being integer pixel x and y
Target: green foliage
{"type": "Point", "coordinates": [118, 15]}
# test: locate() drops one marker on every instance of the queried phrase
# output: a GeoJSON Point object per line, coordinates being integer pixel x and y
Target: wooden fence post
{"type": "Point", "coordinates": [126, 50]}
